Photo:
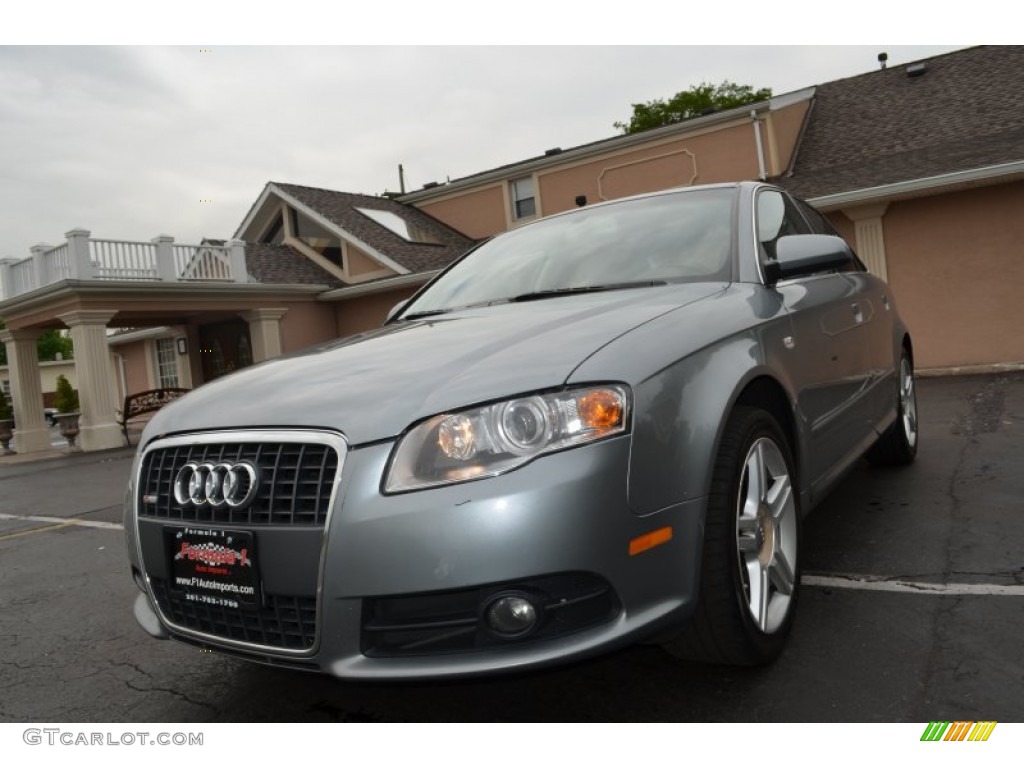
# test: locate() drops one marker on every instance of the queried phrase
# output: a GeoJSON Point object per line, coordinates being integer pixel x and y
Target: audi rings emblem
{"type": "Point", "coordinates": [222, 484]}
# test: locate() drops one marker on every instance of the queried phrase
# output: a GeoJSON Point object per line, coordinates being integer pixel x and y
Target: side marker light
{"type": "Point", "coordinates": [650, 540]}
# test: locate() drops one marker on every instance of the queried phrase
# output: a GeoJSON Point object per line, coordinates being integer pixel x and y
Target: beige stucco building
{"type": "Point", "coordinates": [920, 167]}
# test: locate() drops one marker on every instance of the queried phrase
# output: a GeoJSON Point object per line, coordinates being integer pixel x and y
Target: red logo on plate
{"type": "Point", "coordinates": [212, 554]}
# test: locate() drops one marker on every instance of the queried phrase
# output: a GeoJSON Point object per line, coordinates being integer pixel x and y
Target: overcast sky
{"type": "Point", "coordinates": [130, 142]}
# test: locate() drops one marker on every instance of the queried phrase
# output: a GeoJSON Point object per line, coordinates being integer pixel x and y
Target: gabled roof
{"type": "Point", "coordinates": [279, 264]}
{"type": "Point", "coordinates": [339, 208]}
{"type": "Point", "coordinates": [964, 111]}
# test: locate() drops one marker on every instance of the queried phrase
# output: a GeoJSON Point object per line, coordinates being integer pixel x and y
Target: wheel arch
{"type": "Point", "coordinates": [766, 393]}
{"type": "Point", "coordinates": [681, 417]}
{"type": "Point", "coordinates": [762, 389]}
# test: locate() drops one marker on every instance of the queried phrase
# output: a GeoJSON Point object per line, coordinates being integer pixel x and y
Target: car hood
{"type": "Point", "coordinates": [374, 385]}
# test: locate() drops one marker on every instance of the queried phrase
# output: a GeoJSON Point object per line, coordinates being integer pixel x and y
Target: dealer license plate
{"type": "Point", "coordinates": [213, 565]}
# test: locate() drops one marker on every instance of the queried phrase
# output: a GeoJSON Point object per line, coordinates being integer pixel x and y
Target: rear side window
{"type": "Point", "coordinates": [822, 226]}
{"type": "Point", "coordinates": [819, 224]}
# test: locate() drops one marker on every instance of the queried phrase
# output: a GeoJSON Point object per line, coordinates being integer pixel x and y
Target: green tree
{"type": "Point", "coordinates": [690, 103]}
{"type": "Point", "coordinates": [49, 344]}
{"type": "Point", "coordinates": [53, 342]}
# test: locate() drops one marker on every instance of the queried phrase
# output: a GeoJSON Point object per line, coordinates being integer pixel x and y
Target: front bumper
{"type": "Point", "coordinates": [558, 529]}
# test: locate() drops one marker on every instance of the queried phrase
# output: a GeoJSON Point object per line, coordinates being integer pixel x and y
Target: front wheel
{"type": "Point", "coordinates": [750, 571]}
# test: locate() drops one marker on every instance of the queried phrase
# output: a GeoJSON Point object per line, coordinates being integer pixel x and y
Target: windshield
{"type": "Point", "coordinates": [677, 237]}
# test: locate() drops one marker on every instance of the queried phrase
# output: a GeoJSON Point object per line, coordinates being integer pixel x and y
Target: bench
{"type": "Point", "coordinates": [146, 402]}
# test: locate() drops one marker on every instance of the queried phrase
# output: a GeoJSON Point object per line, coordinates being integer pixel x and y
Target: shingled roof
{"type": "Point", "coordinates": [340, 209]}
{"type": "Point", "coordinates": [282, 265]}
{"type": "Point", "coordinates": [965, 111]}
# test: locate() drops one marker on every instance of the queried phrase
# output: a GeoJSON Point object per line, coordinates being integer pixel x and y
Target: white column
{"type": "Point", "coordinates": [165, 267]}
{"type": "Point", "coordinates": [40, 276]}
{"type": "Point", "coordinates": [264, 332]}
{"type": "Point", "coordinates": [79, 259]}
{"type": "Point", "coordinates": [7, 278]}
{"type": "Point", "coordinates": [239, 272]}
{"type": "Point", "coordinates": [867, 224]}
{"type": "Point", "coordinates": [97, 391]}
{"type": "Point", "coordinates": [26, 390]}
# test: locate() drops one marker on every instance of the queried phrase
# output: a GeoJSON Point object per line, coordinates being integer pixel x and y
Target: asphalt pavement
{"type": "Point", "coordinates": [912, 609]}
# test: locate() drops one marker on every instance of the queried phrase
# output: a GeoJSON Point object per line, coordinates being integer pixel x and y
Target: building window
{"type": "Point", "coordinates": [524, 204]}
{"type": "Point", "coordinates": [327, 244]}
{"type": "Point", "coordinates": [275, 232]}
{"type": "Point", "coordinates": [166, 363]}
{"type": "Point", "coordinates": [6, 386]}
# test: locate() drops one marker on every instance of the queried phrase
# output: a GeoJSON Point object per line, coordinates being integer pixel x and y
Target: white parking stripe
{"type": "Point", "coordinates": [881, 584]}
{"type": "Point", "coordinates": [64, 521]}
{"type": "Point", "coordinates": [866, 583]}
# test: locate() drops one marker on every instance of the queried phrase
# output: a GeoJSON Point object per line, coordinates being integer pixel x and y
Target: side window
{"type": "Point", "coordinates": [822, 226]}
{"type": "Point", "coordinates": [777, 216]}
{"type": "Point", "coordinates": [819, 224]}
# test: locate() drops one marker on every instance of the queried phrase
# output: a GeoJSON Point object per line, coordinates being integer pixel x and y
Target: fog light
{"type": "Point", "coordinates": [511, 616]}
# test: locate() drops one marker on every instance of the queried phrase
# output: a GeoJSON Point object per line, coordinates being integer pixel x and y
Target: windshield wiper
{"type": "Point", "coordinates": [425, 313]}
{"type": "Point", "coordinates": [535, 296]}
{"type": "Point", "coordinates": [552, 292]}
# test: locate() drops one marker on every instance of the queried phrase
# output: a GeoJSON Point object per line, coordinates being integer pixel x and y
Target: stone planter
{"type": "Point", "coordinates": [68, 424]}
{"type": "Point", "coordinates": [6, 434]}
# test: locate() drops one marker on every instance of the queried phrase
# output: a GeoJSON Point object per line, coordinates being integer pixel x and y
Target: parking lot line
{"type": "Point", "coordinates": [865, 583]}
{"type": "Point", "coordinates": [61, 521]}
{"type": "Point", "coordinates": [44, 529]}
{"type": "Point", "coordinates": [883, 584]}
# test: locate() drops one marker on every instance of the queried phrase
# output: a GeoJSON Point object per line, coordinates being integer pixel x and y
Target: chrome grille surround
{"type": "Point", "coordinates": [205, 442]}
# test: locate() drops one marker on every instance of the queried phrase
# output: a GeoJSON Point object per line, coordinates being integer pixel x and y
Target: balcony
{"type": "Point", "coordinates": [86, 258]}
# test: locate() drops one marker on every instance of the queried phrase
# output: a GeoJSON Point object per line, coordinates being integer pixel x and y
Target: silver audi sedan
{"type": "Point", "coordinates": [600, 428]}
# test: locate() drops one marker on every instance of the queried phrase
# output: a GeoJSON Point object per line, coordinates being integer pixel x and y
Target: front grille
{"type": "Point", "coordinates": [295, 483]}
{"type": "Point", "coordinates": [282, 622]}
{"type": "Point", "coordinates": [453, 622]}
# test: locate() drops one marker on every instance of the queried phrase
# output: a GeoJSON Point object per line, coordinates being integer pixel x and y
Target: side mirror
{"type": "Point", "coordinates": [395, 310]}
{"type": "Point", "coordinates": [798, 255]}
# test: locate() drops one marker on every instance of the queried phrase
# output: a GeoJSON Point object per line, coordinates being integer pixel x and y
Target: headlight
{"type": "Point", "coordinates": [496, 438]}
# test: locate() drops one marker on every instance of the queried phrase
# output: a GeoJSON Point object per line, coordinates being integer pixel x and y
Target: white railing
{"type": "Point", "coordinates": [123, 260]}
{"type": "Point", "coordinates": [23, 277]}
{"type": "Point", "coordinates": [202, 262]}
{"type": "Point", "coordinates": [85, 258]}
{"type": "Point", "coordinates": [56, 264]}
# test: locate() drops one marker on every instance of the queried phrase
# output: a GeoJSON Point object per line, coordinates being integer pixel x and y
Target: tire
{"type": "Point", "coordinates": [898, 445]}
{"type": "Point", "coordinates": [750, 571]}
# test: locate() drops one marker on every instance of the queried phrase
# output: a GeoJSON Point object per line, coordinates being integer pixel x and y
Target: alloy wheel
{"type": "Point", "coordinates": [766, 535]}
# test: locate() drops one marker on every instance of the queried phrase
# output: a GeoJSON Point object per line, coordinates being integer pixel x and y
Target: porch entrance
{"type": "Point", "coordinates": [224, 348]}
